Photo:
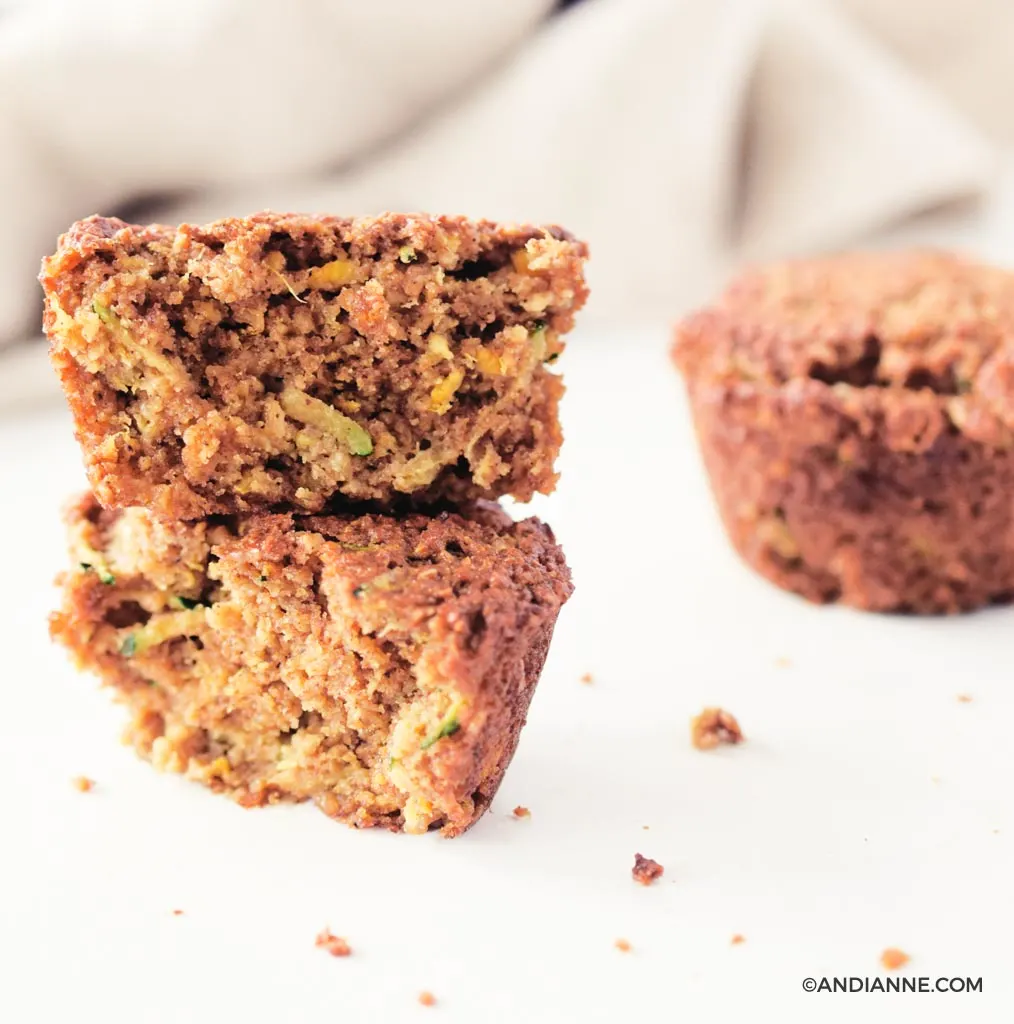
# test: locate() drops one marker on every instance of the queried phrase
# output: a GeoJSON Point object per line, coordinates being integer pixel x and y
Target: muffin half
{"type": "Point", "coordinates": [281, 361]}
{"type": "Point", "coordinates": [381, 666]}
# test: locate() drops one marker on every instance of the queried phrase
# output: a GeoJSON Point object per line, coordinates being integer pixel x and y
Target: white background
{"type": "Point", "coordinates": [868, 808]}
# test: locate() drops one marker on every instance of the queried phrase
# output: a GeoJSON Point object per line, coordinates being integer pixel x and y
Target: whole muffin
{"type": "Point", "coordinates": [856, 417]}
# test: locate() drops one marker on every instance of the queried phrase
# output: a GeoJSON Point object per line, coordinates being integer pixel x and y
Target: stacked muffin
{"type": "Point", "coordinates": [291, 567]}
{"type": "Point", "coordinates": [856, 416]}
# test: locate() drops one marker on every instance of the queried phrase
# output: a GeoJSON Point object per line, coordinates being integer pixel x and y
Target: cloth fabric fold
{"type": "Point", "coordinates": [678, 136]}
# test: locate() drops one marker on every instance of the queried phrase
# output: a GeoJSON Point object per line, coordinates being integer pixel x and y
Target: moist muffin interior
{"type": "Point", "coordinates": [379, 666]}
{"type": "Point", "coordinates": [280, 360]}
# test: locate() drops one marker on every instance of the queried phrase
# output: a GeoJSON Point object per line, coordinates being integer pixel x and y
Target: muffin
{"type": "Point", "coordinates": [279, 361]}
{"type": "Point", "coordinates": [380, 666]}
{"type": "Point", "coordinates": [856, 419]}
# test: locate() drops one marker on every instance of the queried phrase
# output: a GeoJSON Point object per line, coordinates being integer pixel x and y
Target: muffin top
{"type": "Point", "coordinates": [917, 320]}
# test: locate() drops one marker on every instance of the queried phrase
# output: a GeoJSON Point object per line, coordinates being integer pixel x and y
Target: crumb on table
{"type": "Point", "coordinates": [427, 999]}
{"type": "Point", "coordinates": [521, 812]}
{"type": "Point", "coordinates": [783, 662]}
{"type": "Point", "coordinates": [83, 784]}
{"type": "Point", "coordinates": [738, 939]}
{"type": "Point", "coordinates": [712, 727]}
{"type": "Point", "coordinates": [587, 678]}
{"type": "Point", "coordinates": [177, 913]}
{"type": "Point", "coordinates": [891, 959]}
{"type": "Point", "coordinates": [622, 945]}
{"type": "Point", "coordinates": [332, 943]}
{"type": "Point", "coordinates": [646, 870]}
{"type": "Point", "coordinates": [964, 698]}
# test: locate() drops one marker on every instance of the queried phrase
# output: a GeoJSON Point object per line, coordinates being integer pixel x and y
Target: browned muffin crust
{"type": "Point", "coordinates": [379, 666]}
{"type": "Point", "coordinates": [855, 415]}
{"type": "Point", "coordinates": [646, 870]}
{"type": "Point", "coordinates": [280, 360]}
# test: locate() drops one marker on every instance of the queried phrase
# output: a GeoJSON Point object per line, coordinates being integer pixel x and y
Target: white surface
{"type": "Point", "coordinates": [823, 839]}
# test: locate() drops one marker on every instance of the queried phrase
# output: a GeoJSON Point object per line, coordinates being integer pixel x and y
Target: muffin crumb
{"type": "Point", "coordinates": [964, 698]}
{"type": "Point", "coordinates": [738, 940]}
{"type": "Point", "coordinates": [646, 870]}
{"type": "Point", "coordinates": [521, 812]}
{"type": "Point", "coordinates": [783, 662]}
{"type": "Point", "coordinates": [471, 591]}
{"type": "Point", "coordinates": [332, 943]}
{"type": "Point", "coordinates": [427, 999]}
{"type": "Point", "coordinates": [287, 361]}
{"type": "Point", "coordinates": [177, 913]}
{"type": "Point", "coordinates": [714, 726]}
{"type": "Point", "coordinates": [587, 678]}
{"type": "Point", "coordinates": [622, 945]}
{"type": "Point", "coordinates": [891, 959]}
{"type": "Point", "coordinates": [83, 784]}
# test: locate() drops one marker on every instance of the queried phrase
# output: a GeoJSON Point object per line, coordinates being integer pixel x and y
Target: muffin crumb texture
{"type": "Point", "coordinates": [281, 361]}
{"type": "Point", "coordinates": [380, 666]}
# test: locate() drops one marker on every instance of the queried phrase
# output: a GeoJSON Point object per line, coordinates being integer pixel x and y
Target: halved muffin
{"type": "Point", "coordinates": [381, 666]}
{"type": "Point", "coordinates": [280, 361]}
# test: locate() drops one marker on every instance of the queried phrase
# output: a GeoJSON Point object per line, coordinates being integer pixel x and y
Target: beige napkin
{"type": "Point", "coordinates": [678, 136]}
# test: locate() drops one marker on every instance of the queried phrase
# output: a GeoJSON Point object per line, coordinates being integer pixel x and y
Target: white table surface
{"type": "Point", "coordinates": [868, 808]}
